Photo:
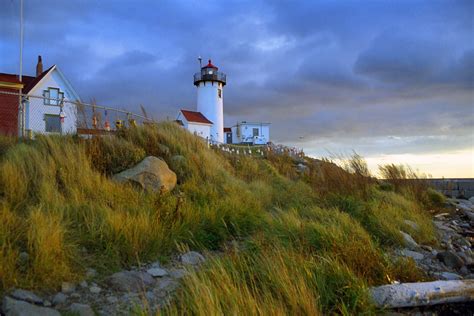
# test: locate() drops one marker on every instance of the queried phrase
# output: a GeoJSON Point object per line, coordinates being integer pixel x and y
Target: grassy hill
{"type": "Point", "coordinates": [289, 242]}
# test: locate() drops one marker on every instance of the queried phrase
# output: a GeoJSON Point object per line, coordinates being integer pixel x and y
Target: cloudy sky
{"type": "Point", "coordinates": [391, 80]}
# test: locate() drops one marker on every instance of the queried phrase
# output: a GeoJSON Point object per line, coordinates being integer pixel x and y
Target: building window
{"type": "Point", "coordinates": [219, 93]}
{"type": "Point", "coordinates": [53, 123]}
{"type": "Point", "coordinates": [255, 132]}
{"type": "Point", "coordinates": [52, 96]}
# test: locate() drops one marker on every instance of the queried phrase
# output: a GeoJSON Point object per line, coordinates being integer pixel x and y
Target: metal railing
{"type": "Point", "coordinates": [215, 76]}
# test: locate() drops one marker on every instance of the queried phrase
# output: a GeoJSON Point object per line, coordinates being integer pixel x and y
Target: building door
{"type": "Point", "coordinates": [228, 138]}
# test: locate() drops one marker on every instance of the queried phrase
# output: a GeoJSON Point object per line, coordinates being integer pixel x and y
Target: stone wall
{"type": "Point", "coordinates": [454, 187]}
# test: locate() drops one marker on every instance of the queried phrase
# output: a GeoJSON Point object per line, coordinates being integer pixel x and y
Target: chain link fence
{"type": "Point", "coordinates": [26, 115]}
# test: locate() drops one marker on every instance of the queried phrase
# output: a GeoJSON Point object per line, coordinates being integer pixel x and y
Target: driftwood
{"type": "Point", "coordinates": [423, 293]}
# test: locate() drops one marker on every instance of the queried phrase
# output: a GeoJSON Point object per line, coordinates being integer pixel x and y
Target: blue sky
{"type": "Point", "coordinates": [392, 80]}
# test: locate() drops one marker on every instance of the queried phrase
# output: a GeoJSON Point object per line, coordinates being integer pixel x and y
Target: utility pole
{"type": "Point", "coordinates": [21, 107]}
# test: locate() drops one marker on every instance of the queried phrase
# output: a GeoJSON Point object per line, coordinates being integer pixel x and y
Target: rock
{"type": "Point", "coordinates": [469, 215]}
{"type": "Point", "coordinates": [132, 281]}
{"type": "Point", "coordinates": [111, 299]}
{"type": "Point", "coordinates": [192, 257]}
{"type": "Point", "coordinates": [450, 276]}
{"type": "Point", "coordinates": [412, 224]}
{"type": "Point", "coordinates": [47, 303]}
{"type": "Point", "coordinates": [91, 273]}
{"type": "Point", "coordinates": [13, 307]}
{"type": "Point", "coordinates": [23, 258]}
{"type": "Point", "coordinates": [151, 173]}
{"type": "Point", "coordinates": [450, 259]}
{"type": "Point", "coordinates": [412, 254]}
{"type": "Point", "coordinates": [177, 273]}
{"type": "Point", "coordinates": [409, 241]}
{"type": "Point", "coordinates": [27, 296]}
{"type": "Point", "coordinates": [83, 284]}
{"type": "Point", "coordinates": [302, 168]}
{"type": "Point", "coordinates": [167, 285]}
{"type": "Point", "coordinates": [157, 272]}
{"type": "Point", "coordinates": [59, 299]}
{"type": "Point", "coordinates": [81, 309]}
{"type": "Point", "coordinates": [471, 199]}
{"type": "Point", "coordinates": [67, 287]}
{"type": "Point", "coordinates": [75, 295]}
{"type": "Point", "coordinates": [95, 289]}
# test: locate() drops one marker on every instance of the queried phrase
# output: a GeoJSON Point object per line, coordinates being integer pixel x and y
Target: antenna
{"type": "Point", "coordinates": [200, 61]}
{"type": "Point", "coordinates": [21, 40]}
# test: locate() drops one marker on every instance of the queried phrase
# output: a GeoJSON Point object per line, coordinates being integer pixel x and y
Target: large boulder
{"type": "Point", "coordinates": [450, 259]}
{"type": "Point", "coordinates": [151, 173]}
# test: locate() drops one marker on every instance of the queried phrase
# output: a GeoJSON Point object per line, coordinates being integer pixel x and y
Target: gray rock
{"type": "Point", "coordinates": [409, 241]}
{"type": "Point", "coordinates": [91, 273]}
{"type": "Point", "coordinates": [59, 299]}
{"type": "Point", "coordinates": [192, 257]}
{"type": "Point", "coordinates": [167, 285]}
{"type": "Point", "coordinates": [469, 215]}
{"type": "Point", "coordinates": [81, 309]}
{"type": "Point", "coordinates": [450, 276]}
{"type": "Point", "coordinates": [157, 272]}
{"type": "Point", "coordinates": [27, 296]}
{"type": "Point", "coordinates": [151, 173]}
{"type": "Point", "coordinates": [412, 224]}
{"type": "Point", "coordinates": [95, 289]}
{"type": "Point", "coordinates": [75, 295]}
{"type": "Point", "coordinates": [132, 281]}
{"type": "Point", "coordinates": [412, 254]}
{"type": "Point", "coordinates": [13, 307]}
{"type": "Point", "coordinates": [450, 259]}
{"type": "Point", "coordinates": [111, 299]}
{"type": "Point", "coordinates": [177, 273]}
{"type": "Point", "coordinates": [68, 287]}
{"type": "Point", "coordinates": [83, 284]}
{"type": "Point", "coordinates": [47, 303]}
{"type": "Point", "coordinates": [23, 258]}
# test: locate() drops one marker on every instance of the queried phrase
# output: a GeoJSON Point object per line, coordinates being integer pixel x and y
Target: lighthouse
{"type": "Point", "coordinates": [210, 98]}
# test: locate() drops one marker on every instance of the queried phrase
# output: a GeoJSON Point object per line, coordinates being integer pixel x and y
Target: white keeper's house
{"type": "Point", "coordinates": [208, 119]}
{"type": "Point", "coordinates": [45, 109]}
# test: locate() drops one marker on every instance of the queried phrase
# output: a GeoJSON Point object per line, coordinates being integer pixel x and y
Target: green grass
{"type": "Point", "coordinates": [308, 243]}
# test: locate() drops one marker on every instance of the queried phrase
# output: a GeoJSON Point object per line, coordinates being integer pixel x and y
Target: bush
{"type": "Point", "coordinates": [113, 154]}
{"type": "Point", "coordinates": [434, 198]}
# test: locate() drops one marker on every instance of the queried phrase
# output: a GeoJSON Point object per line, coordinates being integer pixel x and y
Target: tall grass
{"type": "Point", "coordinates": [311, 243]}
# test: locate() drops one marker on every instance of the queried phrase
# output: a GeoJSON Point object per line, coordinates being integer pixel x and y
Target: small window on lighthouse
{"type": "Point", "coordinates": [219, 93]}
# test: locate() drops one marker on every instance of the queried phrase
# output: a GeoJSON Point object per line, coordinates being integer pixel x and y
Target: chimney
{"type": "Point", "coordinates": [39, 67]}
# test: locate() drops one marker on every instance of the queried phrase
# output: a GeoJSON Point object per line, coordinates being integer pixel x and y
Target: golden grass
{"type": "Point", "coordinates": [312, 243]}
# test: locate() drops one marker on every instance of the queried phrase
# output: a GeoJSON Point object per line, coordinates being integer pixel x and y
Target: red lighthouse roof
{"type": "Point", "coordinates": [210, 65]}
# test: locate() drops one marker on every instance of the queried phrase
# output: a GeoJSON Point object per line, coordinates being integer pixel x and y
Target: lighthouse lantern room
{"type": "Point", "coordinates": [210, 98]}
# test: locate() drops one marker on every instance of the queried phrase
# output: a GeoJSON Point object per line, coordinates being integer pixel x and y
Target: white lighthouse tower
{"type": "Point", "coordinates": [210, 98]}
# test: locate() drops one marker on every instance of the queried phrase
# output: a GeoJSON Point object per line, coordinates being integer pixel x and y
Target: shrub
{"type": "Point", "coordinates": [434, 198]}
{"type": "Point", "coordinates": [113, 154]}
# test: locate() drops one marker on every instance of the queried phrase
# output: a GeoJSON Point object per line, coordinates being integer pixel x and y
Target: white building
{"type": "Point", "coordinates": [46, 106]}
{"type": "Point", "coordinates": [195, 122]}
{"type": "Point", "coordinates": [256, 133]}
{"type": "Point", "coordinates": [210, 113]}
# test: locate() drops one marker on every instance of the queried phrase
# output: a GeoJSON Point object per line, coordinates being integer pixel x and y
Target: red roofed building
{"type": "Point", "coordinates": [195, 122]}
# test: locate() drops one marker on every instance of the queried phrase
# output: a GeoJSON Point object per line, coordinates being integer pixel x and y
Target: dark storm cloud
{"type": "Point", "coordinates": [326, 70]}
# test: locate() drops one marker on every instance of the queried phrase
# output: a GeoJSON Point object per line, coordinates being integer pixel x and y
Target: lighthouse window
{"type": "Point", "coordinates": [219, 93]}
{"type": "Point", "coordinates": [255, 132]}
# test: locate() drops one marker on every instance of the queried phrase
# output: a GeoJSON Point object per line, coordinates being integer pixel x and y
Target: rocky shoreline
{"type": "Point", "coordinates": [150, 286]}
{"type": "Point", "coordinates": [146, 288]}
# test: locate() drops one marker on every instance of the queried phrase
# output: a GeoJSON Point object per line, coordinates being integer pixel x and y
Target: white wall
{"type": "Point", "coordinates": [246, 133]}
{"type": "Point", "coordinates": [36, 109]}
{"type": "Point", "coordinates": [212, 107]}
{"type": "Point", "coordinates": [201, 130]}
